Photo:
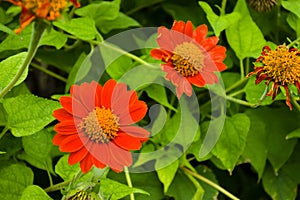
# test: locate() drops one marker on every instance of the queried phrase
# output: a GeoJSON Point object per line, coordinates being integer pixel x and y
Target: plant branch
{"type": "Point", "coordinates": [209, 182]}
{"type": "Point", "coordinates": [50, 73]}
{"type": "Point", "coordinates": [129, 183]}
{"type": "Point", "coordinates": [3, 132]}
{"type": "Point", "coordinates": [37, 33]}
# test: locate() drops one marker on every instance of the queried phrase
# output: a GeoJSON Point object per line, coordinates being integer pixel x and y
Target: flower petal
{"type": "Point", "coordinates": [72, 143]}
{"type": "Point", "coordinates": [73, 106]}
{"type": "Point", "coordinates": [188, 29]}
{"type": "Point", "coordinates": [58, 138]}
{"type": "Point", "coordinates": [77, 156]}
{"type": "Point", "coordinates": [209, 43]}
{"type": "Point", "coordinates": [127, 142]}
{"type": "Point", "coordinates": [119, 155]}
{"type": "Point", "coordinates": [61, 115]}
{"type": "Point", "coordinates": [100, 152]}
{"type": "Point", "coordinates": [86, 164]}
{"type": "Point", "coordinates": [136, 131]}
{"type": "Point", "coordinates": [164, 39]}
{"type": "Point", "coordinates": [218, 53]}
{"type": "Point", "coordinates": [97, 163]}
{"type": "Point", "coordinates": [200, 33]}
{"type": "Point", "coordinates": [107, 91]}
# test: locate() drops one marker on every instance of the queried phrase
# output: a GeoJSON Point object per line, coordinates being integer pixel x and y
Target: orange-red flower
{"type": "Point", "coordinates": [280, 66]}
{"type": "Point", "coordinates": [96, 125]}
{"type": "Point", "coordinates": [190, 57]}
{"type": "Point", "coordinates": [45, 9]}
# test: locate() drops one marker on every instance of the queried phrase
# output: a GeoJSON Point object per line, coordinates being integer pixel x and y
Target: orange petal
{"type": "Point", "coordinates": [58, 138]}
{"type": "Point", "coordinates": [88, 94]}
{"type": "Point", "coordinates": [135, 131]}
{"type": "Point", "coordinates": [73, 106]}
{"type": "Point", "coordinates": [107, 91]}
{"type": "Point", "coordinates": [200, 33]}
{"type": "Point", "coordinates": [127, 142]}
{"type": "Point", "coordinates": [218, 53]}
{"type": "Point", "coordinates": [209, 43]}
{"type": "Point", "coordinates": [77, 156]}
{"type": "Point", "coordinates": [100, 152]}
{"type": "Point", "coordinates": [97, 163]}
{"type": "Point", "coordinates": [76, 3]}
{"type": "Point", "coordinates": [119, 155]}
{"type": "Point", "coordinates": [61, 115]}
{"type": "Point", "coordinates": [71, 144]}
{"type": "Point", "coordinates": [165, 40]}
{"type": "Point", "coordinates": [86, 164]}
{"type": "Point", "coordinates": [66, 127]}
{"type": "Point", "coordinates": [188, 29]}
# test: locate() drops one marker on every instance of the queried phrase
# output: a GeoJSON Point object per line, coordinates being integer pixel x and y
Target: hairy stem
{"type": "Point", "coordinates": [50, 73]}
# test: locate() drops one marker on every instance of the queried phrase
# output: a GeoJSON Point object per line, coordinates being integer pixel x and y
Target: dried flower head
{"type": "Point", "coordinates": [262, 5]}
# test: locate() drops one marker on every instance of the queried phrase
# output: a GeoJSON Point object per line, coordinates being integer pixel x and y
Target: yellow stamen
{"type": "Point", "coordinates": [101, 125]}
{"type": "Point", "coordinates": [282, 65]}
{"type": "Point", "coordinates": [187, 59]}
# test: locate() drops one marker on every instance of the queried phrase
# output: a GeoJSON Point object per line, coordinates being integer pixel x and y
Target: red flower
{"type": "Point", "coordinates": [280, 66]}
{"type": "Point", "coordinates": [190, 57]}
{"type": "Point", "coordinates": [95, 125]}
{"type": "Point", "coordinates": [45, 9]}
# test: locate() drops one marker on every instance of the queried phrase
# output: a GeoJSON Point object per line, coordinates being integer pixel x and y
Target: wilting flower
{"type": "Point", "coordinates": [281, 67]}
{"type": "Point", "coordinates": [45, 9]}
{"type": "Point", "coordinates": [262, 5]}
{"type": "Point", "coordinates": [190, 57]}
{"type": "Point", "coordinates": [96, 125]}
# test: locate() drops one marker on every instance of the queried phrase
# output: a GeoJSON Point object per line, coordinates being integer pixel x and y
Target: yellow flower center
{"type": "Point", "coordinates": [101, 125]}
{"type": "Point", "coordinates": [49, 9]}
{"type": "Point", "coordinates": [187, 59]}
{"type": "Point", "coordinates": [282, 65]}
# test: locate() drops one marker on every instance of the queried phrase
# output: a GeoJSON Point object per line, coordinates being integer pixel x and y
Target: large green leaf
{"type": "Point", "coordinates": [244, 36]}
{"type": "Point", "coordinates": [28, 114]}
{"type": "Point", "coordinates": [219, 23]}
{"type": "Point", "coordinates": [255, 150]}
{"type": "Point", "coordinates": [9, 69]}
{"type": "Point", "coordinates": [294, 134]}
{"type": "Point", "coordinates": [294, 22]}
{"type": "Point", "coordinates": [13, 180]}
{"type": "Point", "coordinates": [167, 174]}
{"type": "Point", "coordinates": [37, 149]}
{"type": "Point", "coordinates": [50, 38]}
{"type": "Point", "coordinates": [34, 192]}
{"type": "Point", "coordinates": [115, 190]}
{"type": "Point", "coordinates": [122, 21]}
{"type": "Point", "coordinates": [83, 28]}
{"type": "Point", "coordinates": [293, 6]}
{"type": "Point", "coordinates": [280, 186]}
{"type": "Point", "coordinates": [64, 170]}
{"type": "Point", "coordinates": [232, 141]}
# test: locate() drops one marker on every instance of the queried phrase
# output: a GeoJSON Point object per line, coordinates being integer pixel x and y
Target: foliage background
{"type": "Point", "coordinates": [257, 155]}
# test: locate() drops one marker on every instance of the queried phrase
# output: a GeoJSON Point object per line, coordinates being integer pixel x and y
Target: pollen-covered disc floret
{"type": "Point", "coordinates": [101, 125]}
{"type": "Point", "coordinates": [281, 67]}
{"type": "Point", "coordinates": [187, 59]}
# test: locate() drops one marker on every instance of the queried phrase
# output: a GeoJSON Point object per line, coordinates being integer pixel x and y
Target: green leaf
{"type": "Point", "coordinates": [115, 190]}
{"type": "Point", "coordinates": [28, 114]}
{"type": "Point", "coordinates": [83, 28]}
{"type": "Point", "coordinates": [11, 145]}
{"type": "Point", "coordinates": [10, 67]}
{"type": "Point", "coordinates": [255, 92]}
{"type": "Point", "coordinates": [230, 78]}
{"type": "Point", "coordinates": [292, 5]}
{"type": "Point", "coordinates": [181, 183]}
{"type": "Point", "coordinates": [3, 116]}
{"type": "Point", "coordinates": [13, 180]}
{"type": "Point", "coordinates": [280, 186]}
{"type": "Point", "coordinates": [293, 134]}
{"type": "Point", "coordinates": [209, 192]}
{"type": "Point", "coordinates": [7, 30]}
{"type": "Point", "coordinates": [244, 36]}
{"type": "Point", "coordinates": [64, 170]}
{"type": "Point", "coordinates": [256, 149]}
{"type": "Point", "coordinates": [50, 38]}
{"type": "Point", "coordinates": [34, 192]}
{"type": "Point", "coordinates": [232, 141]}
{"type": "Point", "coordinates": [219, 23]}
{"type": "Point", "coordinates": [37, 149]}
{"type": "Point", "coordinates": [294, 22]}
{"type": "Point", "coordinates": [122, 21]}
{"type": "Point", "coordinates": [158, 93]}
{"type": "Point", "coordinates": [100, 11]}
{"type": "Point", "coordinates": [167, 174]}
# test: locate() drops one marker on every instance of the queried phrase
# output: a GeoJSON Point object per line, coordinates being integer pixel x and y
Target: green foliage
{"type": "Point", "coordinates": [34, 192]}
{"type": "Point", "coordinates": [28, 114]}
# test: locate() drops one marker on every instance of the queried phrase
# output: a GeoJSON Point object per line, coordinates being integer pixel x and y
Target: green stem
{"type": "Point", "coordinates": [242, 68]}
{"type": "Point", "coordinates": [135, 9]}
{"type": "Point", "coordinates": [238, 101]}
{"type": "Point", "coordinates": [247, 65]}
{"type": "Point", "coordinates": [50, 73]}
{"type": "Point", "coordinates": [209, 182]}
{"type": "Point", "coordinates": [295, 103]}
{"type": "Point", "coordinates": [38, 30]}
{"type": "Point", "coordinates": [236, 93]}
{"type": "Point", "coordinates": [3, 132]}
{"type": "Point", "coordinates": [57, 186]}
{"type": "Point", "coordinates": [129, 55]}
{"type": "Point", "coordinates": [129, 183]}
{"type": "Point", "coordinates": [50, 178]}
{"type": "Point", "coordinates": [293, 43]}
{"type": "Point", "coordinates": [236, 84]}
{"type": "Point", "coordinates": [223, 7]}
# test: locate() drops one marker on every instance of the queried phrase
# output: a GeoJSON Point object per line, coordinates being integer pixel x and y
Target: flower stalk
{"type": "Point", "coordinates": [129, 183]}
{"type": "Point", "coordinates": [37, 33]}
